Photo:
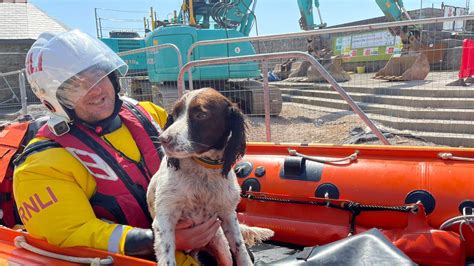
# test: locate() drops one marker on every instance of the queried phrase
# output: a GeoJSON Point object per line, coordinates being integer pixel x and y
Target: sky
{"type": "Point", "coordinates": [273, 16]}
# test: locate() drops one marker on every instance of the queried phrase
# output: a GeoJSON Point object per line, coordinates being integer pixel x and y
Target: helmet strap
{"type": "Point", "coordinates": [114, 79]}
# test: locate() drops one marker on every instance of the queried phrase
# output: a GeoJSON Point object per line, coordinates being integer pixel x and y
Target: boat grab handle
{"type": "Point", "coordinates": [351, 157]}
{"type": "Point", "coordinates": [20, 242]}
{"type": "Point", "coordinates": [450, 156]}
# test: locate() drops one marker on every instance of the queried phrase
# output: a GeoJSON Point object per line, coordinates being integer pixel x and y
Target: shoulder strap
{"type": "Point", "coordinates": [33, 148]}
{"type": "Point", "coordinates": [135, 190]}
{"type": "Point", "coordinates": [151, 130]}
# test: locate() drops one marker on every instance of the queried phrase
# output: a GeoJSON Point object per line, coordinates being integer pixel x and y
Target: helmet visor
{"type": "Point", "coordinates": [76, 87]}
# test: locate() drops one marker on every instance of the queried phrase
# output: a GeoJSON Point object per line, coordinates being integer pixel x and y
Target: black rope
{"type": "Point", "coordinates": [353, 207]}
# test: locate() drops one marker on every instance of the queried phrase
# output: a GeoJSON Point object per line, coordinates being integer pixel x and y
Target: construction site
{"type": "Point", "coordinates": [403, 79]}
{"type": "Point", "coordinates": [411, 94]}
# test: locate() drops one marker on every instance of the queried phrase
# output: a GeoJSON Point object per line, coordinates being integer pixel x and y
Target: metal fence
{"type": "Point", "coordinates": [411, 112]}
{"type": "Point", "coordinates": [263, 58]}
{"type": "Point", "coordinates": [15, 95]}
{"type": "Point", "coordinates": [304, 108]}
{"type": "Point", "coordinates": [139, 84]}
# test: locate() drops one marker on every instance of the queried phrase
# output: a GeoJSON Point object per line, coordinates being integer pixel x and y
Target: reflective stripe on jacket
{"type": "Point", "coordinates": [121, 183]}
{"type": "Point", "coordinates": [53, 191]}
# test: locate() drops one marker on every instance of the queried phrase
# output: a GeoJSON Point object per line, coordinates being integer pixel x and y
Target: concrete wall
{"type": "Point", "coordinates": [16, 59]}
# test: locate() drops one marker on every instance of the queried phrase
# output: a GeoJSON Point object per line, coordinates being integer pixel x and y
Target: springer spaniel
{"type": "Point", "coordinates": [202, 139]}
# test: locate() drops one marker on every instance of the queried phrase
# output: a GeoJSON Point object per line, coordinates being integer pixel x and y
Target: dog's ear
{"type": "Point", "coordinates": [171, 162]}
{"type": "Point", "coordinates": [169, 122]}
{"type": "Point", "coordinates": [235, 147]}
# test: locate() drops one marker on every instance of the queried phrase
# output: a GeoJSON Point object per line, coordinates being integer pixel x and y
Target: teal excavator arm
{"type": "Point", "coordinates": [306, 11]}
{"type": "Point", "coordinates": [241, 13]}
{"type": "Point", "coordinates": [393, 9]}
{"type": "Point", "coordinates": [227, 14]}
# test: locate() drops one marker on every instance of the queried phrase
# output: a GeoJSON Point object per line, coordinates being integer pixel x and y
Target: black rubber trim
{"type": "Point", "coordinates": [297, 168]}
{"type": "Point", "coordinates": [251, 182]}
{"type": "Point", "coordinates": [136, 190]}
{"type": "Point", "coordinates": [466, 204]}
{"type": "Point", "coordinates": [139, 243]}
{"type": "Point", "coordinates": [110, 204]}
{"type": "Point", "coordinates": [34, 148]}
{"type": "Point", "coordinates": [330, 189]}
{"type": "Point", "coordinates": [243, 169]}
{"type": "Point", "coordinates": [425, 197]}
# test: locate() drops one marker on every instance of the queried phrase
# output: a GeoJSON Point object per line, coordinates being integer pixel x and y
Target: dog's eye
{"type": "Point", "coordinates": [200, 115]}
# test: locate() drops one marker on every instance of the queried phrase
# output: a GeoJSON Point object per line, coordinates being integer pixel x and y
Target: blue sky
{"type": "Point", "coordinates": [274, 16]}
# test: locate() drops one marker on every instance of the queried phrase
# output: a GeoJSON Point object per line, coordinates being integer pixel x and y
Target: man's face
{"type": "Point", "coordinates": [98, 103]}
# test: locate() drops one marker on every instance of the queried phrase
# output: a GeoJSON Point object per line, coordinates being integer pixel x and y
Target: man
{"type": "Point", "coordinates": [82, 181]}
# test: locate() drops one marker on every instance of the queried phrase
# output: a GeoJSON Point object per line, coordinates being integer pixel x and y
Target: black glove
{"type": "Point", "coordinates": [139, 243]}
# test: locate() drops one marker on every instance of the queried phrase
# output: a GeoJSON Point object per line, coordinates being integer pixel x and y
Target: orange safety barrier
{"type": "Point", "coordinates": [467, 61]}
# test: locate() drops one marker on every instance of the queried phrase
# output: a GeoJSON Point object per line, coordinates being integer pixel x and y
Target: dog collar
{"type": "Point", "coordinates": [209, 163]}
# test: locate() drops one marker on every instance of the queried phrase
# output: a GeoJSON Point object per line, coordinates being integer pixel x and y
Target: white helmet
{"type": "Point", "coordinates": [55, 64]}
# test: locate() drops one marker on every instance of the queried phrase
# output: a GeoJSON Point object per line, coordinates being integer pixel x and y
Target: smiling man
{"type": "Point", "coordinates": [82, 181]}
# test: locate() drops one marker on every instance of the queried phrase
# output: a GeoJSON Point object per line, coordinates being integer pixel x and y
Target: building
{"type": "Point", "coordinates": [20, 25]}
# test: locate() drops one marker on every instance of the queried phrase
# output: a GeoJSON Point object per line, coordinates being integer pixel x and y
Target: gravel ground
{"type": "Point", "coordinates": [302, 124]}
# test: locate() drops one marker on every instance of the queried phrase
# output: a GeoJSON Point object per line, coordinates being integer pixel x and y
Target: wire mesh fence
{"type": "Point", "coordinates": [402, 87]}
{"type": "Point", "coordinates": [12, 96]}
{"type": "Point", "coordinates": [387, 76]}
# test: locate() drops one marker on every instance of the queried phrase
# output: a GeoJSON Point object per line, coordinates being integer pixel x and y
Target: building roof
{"type": "Point", "coordinates": [25, 21]}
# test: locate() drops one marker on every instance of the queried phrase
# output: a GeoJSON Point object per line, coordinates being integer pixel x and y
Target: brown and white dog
{"type": "Point", "coordinates": [203, 138]}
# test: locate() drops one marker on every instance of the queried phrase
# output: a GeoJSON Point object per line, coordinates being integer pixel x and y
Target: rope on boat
{"type": "Point", "coordinates": [461, 220]}
{"type": "Point", "coordinates": [353, 207]}
{"type": "Point", "coordinates": [348, 205]}
{"type": "Point", "coordinates": [349, 158]}
{"type": "Point", "coordinates": [20, 242]}
{"type": "Point", "coordinates": [450, 156]}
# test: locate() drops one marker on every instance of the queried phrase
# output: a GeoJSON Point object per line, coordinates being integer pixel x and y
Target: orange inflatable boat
{"type": "Point", "coordinates": [13, 255]}
{"type": "Point", "coordinates": [421, 198]}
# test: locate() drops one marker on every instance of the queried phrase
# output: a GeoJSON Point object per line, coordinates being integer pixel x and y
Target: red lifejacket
{"type": "Point", "coordinates": [11, 140]}
{"type": "Point", "coordinates": [121, 183]}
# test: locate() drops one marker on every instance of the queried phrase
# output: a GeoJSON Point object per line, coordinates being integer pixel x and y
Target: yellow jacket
{"type": "Point", "coordinates": [52, 191]}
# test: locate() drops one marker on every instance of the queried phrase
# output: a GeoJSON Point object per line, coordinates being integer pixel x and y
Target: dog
{"type": "Point", "coordinates": [203, 137]}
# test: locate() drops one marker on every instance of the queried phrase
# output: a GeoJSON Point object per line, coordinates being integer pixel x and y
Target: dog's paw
{"type": "Point", "coordinates": [253, 235]}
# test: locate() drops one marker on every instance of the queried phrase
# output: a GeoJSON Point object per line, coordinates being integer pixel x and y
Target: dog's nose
{"type": "Point", "coordinates": [164, 139]}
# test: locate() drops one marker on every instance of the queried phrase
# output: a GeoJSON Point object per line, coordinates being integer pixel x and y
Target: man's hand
{"type": "Point", "coordinates": [190, 237]}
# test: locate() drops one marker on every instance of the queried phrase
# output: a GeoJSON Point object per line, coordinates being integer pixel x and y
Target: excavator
{"type": "Point", "coordinates": [200, 20]}
{"type": "Point", "coordinates": [411, 64]}
{"type": "Point", "coordinates": [316, 46]}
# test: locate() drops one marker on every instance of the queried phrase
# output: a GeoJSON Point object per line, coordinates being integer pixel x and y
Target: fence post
{"type": "Point", "coordinates": [286, 55]}
{"type": "Point", "coordinates": [24, 98]}
{"type": "Point", "coordinates": [266, 100]}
